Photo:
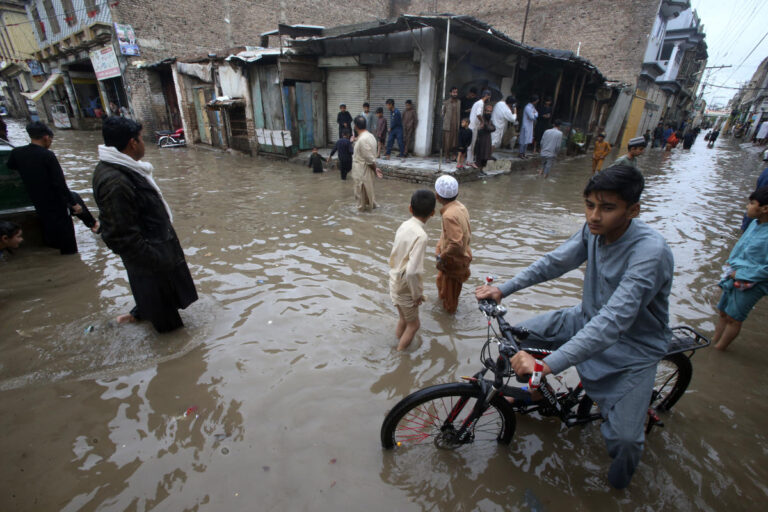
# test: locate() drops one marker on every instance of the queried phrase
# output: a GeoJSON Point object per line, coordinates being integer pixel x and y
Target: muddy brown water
{"type": "Point", "coordinates": [287, 367]}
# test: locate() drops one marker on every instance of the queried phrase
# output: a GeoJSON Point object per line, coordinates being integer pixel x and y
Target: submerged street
{"type": "Point", "coordinates": [272, 396]}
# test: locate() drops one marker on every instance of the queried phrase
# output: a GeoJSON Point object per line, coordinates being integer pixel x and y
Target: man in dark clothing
{"type": "Point", "coordinates": [468, 101]}
{"type": "Point", "coordinates": [688, 139]}
{"type": "Point", "coordinates": [344, 148]}
{"type": "Point", "coordinates": [344, 119]}
{"type": "Point", "coordinates": [395, 129]}
{"type": "Point", "coordinates": [136, 225]}
{"type": "Point", "coordinates": [658, 136]}
{"type": "Point", "coordinates": [44, 180]}
{"type": "Point", "coordinates": [316, 161]}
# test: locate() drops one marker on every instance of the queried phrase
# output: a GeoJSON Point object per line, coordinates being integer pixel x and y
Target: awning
{"type": "Point", "coordinates": [36, 95]}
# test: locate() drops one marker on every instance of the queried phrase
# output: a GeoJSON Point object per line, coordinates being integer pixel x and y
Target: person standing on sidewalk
{"type": "Point", "coordinates": [410, 121]}
{"type": "Point", "coordinates": [44, 180]}
{"type": "Point", "coordinates": [551, 142]}
{"type": "Point", "coordinates": [526, 127]}
{"type": "Point", "coordinates": [395, 130]}
{"type": "Point", "coordinates": [451, 121]}
{"type": "Point", "coordinates": [475, 123]}
{"type": "Point", "coordinates": [452, 252]}
{"type": "Point", "coordinates": [136, 223]}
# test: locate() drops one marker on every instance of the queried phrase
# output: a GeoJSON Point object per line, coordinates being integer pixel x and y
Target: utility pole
{"type": "Point", "coordinates": [525, 21]}
{"type": "Point", "coordinates": [704, 82]}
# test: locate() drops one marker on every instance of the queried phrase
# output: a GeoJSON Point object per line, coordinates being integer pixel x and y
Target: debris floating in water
{"type": "Point", "coordinates": [190, 411]}
{"type": "Point", "coordinates": [88, 329]}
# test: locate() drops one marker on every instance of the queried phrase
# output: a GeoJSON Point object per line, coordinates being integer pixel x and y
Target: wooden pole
{"type": "Point", "coordinates": [578, 100]}
{"type": "Point", "coordinates": [557, 90]}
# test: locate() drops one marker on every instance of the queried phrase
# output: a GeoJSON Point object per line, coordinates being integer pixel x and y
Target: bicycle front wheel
{"type": "Point", "coordinates": [673, 374]}
{"type": "Point", "coordinates": [437, 415]}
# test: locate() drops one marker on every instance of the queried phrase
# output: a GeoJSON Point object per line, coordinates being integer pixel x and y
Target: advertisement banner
{"type": "Point", "coordinates": [126, 37]}
{"type": "Point", "coordinates": [105, 63]}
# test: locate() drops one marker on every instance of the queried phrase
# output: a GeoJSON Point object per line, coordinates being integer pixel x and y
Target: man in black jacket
{"type": "Point", "coordinates": [44, 180]}
{"type": "Point", "coordinates": [136, 224]}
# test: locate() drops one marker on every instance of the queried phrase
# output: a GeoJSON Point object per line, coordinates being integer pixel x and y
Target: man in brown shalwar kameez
{"type": "Point", "coordinates": [410, 120]}
{"type": "Point", "coordinates": [453, 252]}
{"type": "Point", "coordinates": [451, 121]}
{"type": "Point", "coordinates": [364, 169]}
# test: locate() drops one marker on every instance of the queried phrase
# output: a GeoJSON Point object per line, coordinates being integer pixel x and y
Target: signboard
{"type": "Point", "coordinates": [60, 116]}
{"type": "Point", "coordinates": [105, 63]}
{"type": "Point", "coordinates": [126, 37]}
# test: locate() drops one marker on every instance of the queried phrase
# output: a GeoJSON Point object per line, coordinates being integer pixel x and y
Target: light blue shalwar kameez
{"type": "Point", "coordinates": [617, 335]}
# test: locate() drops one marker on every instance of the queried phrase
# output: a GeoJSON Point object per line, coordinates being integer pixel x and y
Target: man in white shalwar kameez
{"type": "Point", "coordinates": [526, 126]}
{"type": "Point", "coordinates": [503, 113]}
{"type": "Point", "coordinates": [364, 169]}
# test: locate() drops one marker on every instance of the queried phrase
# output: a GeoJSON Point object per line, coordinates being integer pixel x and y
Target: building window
{"type": "Point", "coordinates": [91, 8]}
{"type": "Point", "coordinates": [39, 24]}
{"type": "Point", "coordinates": [666, 51]}
{"type": "Point", "coordinates": [50, 13]}
{"type": "Point", "coordinates": [70, 16]}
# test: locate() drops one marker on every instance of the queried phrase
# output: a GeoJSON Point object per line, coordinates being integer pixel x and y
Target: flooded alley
{"type": "Point", "coordinates": [272, 396]}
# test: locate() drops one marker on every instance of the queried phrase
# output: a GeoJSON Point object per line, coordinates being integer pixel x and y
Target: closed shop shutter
{"type": "Point", "coordinates": [399, 81]}
{"type": "Point", "coordinates": [348, 86]}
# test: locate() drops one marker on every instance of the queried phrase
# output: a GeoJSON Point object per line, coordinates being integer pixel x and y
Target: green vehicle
{"type": "Point", "coordinates": [13, 195]}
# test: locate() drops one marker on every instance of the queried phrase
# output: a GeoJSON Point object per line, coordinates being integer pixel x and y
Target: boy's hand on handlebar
{"type": "Point", "coordinates": [488, 292]}
{"type": "Point", "coordinates": [523, 364]}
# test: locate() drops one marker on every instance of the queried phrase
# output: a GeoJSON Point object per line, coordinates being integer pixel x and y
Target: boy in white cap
{"type": "Point", "coordinates": [453, 252]}
{"type": "Point", "coordinates": [635, 148]}
{"type": "Point", "coordinates": [406, 264]}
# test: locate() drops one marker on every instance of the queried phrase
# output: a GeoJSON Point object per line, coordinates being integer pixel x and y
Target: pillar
{"type": "Point", "coordinates": [428, 70]}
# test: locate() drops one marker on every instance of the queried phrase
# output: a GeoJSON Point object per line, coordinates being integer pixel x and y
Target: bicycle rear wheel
{"type": "Point", "coordinates": [435, 415]}
{"type": "Point", "coordinates": [673, 375]}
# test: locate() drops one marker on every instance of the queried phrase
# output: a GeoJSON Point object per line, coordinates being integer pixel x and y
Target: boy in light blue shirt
{"type": "Point", "coordinates": [745, 280]}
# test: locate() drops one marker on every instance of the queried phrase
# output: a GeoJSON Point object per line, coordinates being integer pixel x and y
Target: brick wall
{"type": "Point", "coordinates": [197, 27]}
{"type": "Point", "coordinates": [613, 34]}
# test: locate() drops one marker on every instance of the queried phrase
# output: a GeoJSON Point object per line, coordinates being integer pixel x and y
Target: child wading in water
{"type": "Point", "coordinates": [406, 263]}
{"type": "Point", "coordinates": [10, 236]}
{"type": "Point", "coordinates": [745, 280]}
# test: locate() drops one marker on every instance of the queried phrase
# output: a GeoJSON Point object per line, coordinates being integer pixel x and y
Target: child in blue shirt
{"type": "Point", "coordinates": [745, 280]}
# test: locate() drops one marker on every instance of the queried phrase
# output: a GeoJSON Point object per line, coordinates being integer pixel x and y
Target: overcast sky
{"type": "Point", "coordinates": [733, 29]}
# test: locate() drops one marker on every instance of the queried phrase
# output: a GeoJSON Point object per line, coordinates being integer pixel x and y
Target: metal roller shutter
{"type": "Point", "coordinates": [399, 81]}
{"type": "Point", "coordinates": [348, 86]}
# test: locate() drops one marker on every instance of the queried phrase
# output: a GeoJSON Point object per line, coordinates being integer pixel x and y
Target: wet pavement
{"type": "Point", "coordinates": [272, 396]}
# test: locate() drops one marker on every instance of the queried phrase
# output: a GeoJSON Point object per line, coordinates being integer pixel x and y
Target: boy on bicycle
{"type": "Point", "coordinates": [619, 332]}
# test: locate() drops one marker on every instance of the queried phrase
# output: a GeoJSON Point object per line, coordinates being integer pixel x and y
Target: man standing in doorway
{"type": "Point", "coordinates": [44, 180]}
{"type": "Point", "coordinates": [451, 120]}
{"type": "Point", "coordinates": [395, 130]}
{"type": "Point", "coordinates": [410, 121]}
{"type": "Point", "coordinates": [526, 129]}
{"type": "Point", "coordinates": [136, 223]}
{"type": "Point", "coordinates": [503, 113]}
{"type": "Point", "coordinates": [475, 122]}
{"type": "Point", "coordinates": [364, 170]}
{"type": "Point", "coordinates": [467, 102]}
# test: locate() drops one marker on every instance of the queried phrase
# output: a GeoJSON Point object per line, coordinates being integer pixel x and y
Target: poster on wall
{"type": "Point", "coordinates": [126, 37]}
{"type": "Point", "coordinates": [105, 63]}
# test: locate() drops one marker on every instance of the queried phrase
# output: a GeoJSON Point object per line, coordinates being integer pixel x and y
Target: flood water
{"type": "Point", "coordinates": [287, 363]}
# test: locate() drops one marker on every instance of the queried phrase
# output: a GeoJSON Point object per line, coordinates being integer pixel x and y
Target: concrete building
{"type": "Point", "coordinates": [673, 64]}
{"type": "Point", "coordinates": [18, 72]}
{"type": "Point", "coordinates": [751, 101]}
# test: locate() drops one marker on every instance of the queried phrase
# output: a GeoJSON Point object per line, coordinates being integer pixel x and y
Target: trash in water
{"type": "Point", "coordinates": [225, 450]}
{"type": "Point", "coordinates": [190, 411]}
{"type": "Point", "coordinates": [88, 329]}
{"type": "Point", "coordinates": [220, 436]}
{"type": "Point", "coordinates": [332, 461]}
{"type": "Point", "coordinates": [23, 334]}
{"type": "Point", "coordinates": [260, 281]}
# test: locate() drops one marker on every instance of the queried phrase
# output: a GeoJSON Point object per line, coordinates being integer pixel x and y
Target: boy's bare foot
{"type": "Point", "coordinates": [126, 319]}
{"type": "Point", "coordinates": [96, 227]}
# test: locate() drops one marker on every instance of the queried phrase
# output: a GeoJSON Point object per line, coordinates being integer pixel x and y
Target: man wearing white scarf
{"type": "Point", "coordinates": [136, 225]}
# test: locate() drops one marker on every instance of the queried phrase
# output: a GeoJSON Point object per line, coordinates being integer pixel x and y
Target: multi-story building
{"type": "Point", "coordinates": [752, 100]}
{"type": "Point", "coordinates": [17, 48]}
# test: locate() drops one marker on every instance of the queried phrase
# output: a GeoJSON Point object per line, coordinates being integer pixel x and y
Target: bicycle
{"type": "Point", "coordinates": [459, 413]}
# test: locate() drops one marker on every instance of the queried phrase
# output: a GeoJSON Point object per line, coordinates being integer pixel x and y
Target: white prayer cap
{"type": "Point", "coordinates": [447, 187]}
